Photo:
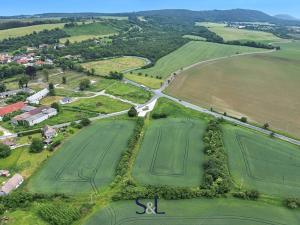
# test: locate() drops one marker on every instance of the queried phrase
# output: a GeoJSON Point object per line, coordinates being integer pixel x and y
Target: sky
{"type": "Point", "coordinates": [26, 7]}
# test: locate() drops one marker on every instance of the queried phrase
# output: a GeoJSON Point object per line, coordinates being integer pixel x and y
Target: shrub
{"type": "Point", "coordinates": [4, 151]}
{"type": "Point", "coordinates": [292, 203]}
{"type": "Point", "coordinates": [244, 119]}
{"type": "Point", "coordinates": [36, 145]}
{"type": "Point", "coordinates": [159, 116]}
{"type": "Point", "coordinates": [132, 112]}
{"type": "Point", "coordinates": [85, 122]}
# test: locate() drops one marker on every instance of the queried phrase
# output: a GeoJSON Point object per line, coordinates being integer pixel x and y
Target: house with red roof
{"type": "Point", "coordinates": [11, 108]}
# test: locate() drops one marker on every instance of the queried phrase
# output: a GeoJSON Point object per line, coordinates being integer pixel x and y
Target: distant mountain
{"type": "Point", "coordinates": [286, 17]}
{"type": "Point", "coordinates": [233, 15]}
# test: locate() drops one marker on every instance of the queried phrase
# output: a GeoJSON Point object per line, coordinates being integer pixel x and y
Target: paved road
{"type": "Point", "coordinates": [159, 93]}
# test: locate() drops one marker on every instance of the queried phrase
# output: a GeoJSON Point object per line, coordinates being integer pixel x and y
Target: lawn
{"type": "Point", "coordinates": [191, 212]}
{"type": "Point", "coordinates": [99, 104]}
{"type": "Point", "coordinates": [171, 153]}
{"type": "Point", "coordinates": [147, 81]}
{"type": "Point", "coordinates": [191, 53]}
{"type": "Point", "coordinates": [262, 163]}
{"type": "Point", "coordinates": [22, 31]}
{"type": "Point", "coordinates": [121, 64]}
{"type": "Point", "coordinates": [129, 92]}
{"type": "Point", "coordinates": [252, 86]}
{"type": "Point", "coordinates": [231, 34]}
{"type": "Point", "coordinates": [86, 161]}
{"type": "Point", "coordinates": [23, 162]}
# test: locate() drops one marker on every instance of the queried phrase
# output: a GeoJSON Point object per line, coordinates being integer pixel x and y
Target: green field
{"type": "Point", "coordinates": [262, 87]}
{"type": "Point", "coordinates": [22, 31]}
{"type": "Point", "coordinates": [129, 92]}
{"type": "Point", "coordinates": [147, 81]}
{"type": "Point", "coordinates": [89, 31]}
{"type": "Point", "coordinates": [171, 153]}
{"type": "Point", "coordinates": [99, 104]}
{"type": "Point", "coordinates": [85, 162]}
{"type": "Point", "coordinates": [204, 211]}
{"type": "Point", "coordinates": [191, 53]}
{"type": "Point", "coordinates": [103, 67]}
{"type": "Point", "coordinates": [231, 34]}
{"type": "Point", "coordinates": [260, 162]}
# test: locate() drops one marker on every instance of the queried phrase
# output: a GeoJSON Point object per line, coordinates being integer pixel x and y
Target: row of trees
{"type": "Point", "coordinates": [216, 173]}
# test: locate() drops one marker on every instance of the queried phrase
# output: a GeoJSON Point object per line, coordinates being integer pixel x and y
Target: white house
{"type": "Point", "coordinates": [35, 99]}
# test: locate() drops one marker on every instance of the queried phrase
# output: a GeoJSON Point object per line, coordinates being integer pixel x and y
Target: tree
{"type": "Point", "coordinates": [244, 119]}
{"type": "Point", "coordinates": [4, 151]}
{"type": "Point", "coordinates": [67, 43]}
{"type": "Point", "coordinates": [64, 80]}
{"type": "Point", "coordinates": [36, 145]}
{"type": "Point", "coordinates": [93, 71]}
{"type": "Point", "coordinates": [266, 126]}
{"type": "Point", "coordinates": [132, 112]}
{"type": "Point", "coordinates": [23, 82]}
{"type": "Point", "coordinates": [56, 106]}
{"type": "Point", "coordinates": [51, 89]}
{"type": "Point", "coordinates": [2, 87]}
{"type": "Point", "coordinates": [84, 84]}
{"type": "Point", "coordinates": [85, 122]}
{"type": "Point", "coordinates": [46, 75]}
{"type": "Point", "coordinates": [31, 71]}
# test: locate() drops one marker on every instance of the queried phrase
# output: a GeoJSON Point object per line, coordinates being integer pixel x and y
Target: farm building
{"type": "Point", "coordinates": [15, 92]}
{"type": "Point", "coordinates": [4, 173]}
{"type": "Point", "coordinates": [35, 116]}
{"type": "Point", "coordinates": [11, 108]}
{"type": "Point", "coordinates": [28, 108]}
{"type": "Point", "coordinates": [12, 184]}
{"type": "Point", "coordinates": [35, 99]}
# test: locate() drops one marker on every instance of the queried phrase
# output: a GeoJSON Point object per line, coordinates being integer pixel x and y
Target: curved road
{"type": "Point", "coordinates": [159, 93]}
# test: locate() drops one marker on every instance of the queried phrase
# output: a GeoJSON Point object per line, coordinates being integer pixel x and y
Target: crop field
{"type": "Point", "coordinates": [204, 211]}
{"type": "Point", "coordinates": [171, 153]}
{"type": "Point", "coordinates": [253, 86]}
{"type": "Point", "coordinates": [103, 67]}
{"type": "Point", "coordinates": [232, 34]}
{"type": "Point", "coordinates": [22, 31]}
{"type": "Point", "coordinates": [99, 104]}
{"type": "Point", "coordinates": [86, 161]}
{"type": "Point", "coordinates": [191, 53]}
{"type": "Point", "coordinates": [262, 163]}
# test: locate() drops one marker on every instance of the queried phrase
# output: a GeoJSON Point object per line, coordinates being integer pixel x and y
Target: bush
{"type": "Point", "coordinates": [248, 195]}
{"type": "Point", "coordinates": [56, 106]}
{"type": "Point", "coordinates": [36, 145]}
{"type": "Point", "coordinates": [159, 116]}
{"type": "Point", "coordinates": [292, 203]}
{"type": "Point", "coordinates": [132, 112]}
{"type": "Point", "coordinates": [244, 119]}
{"type": "Point", "coordinates": [85, 122]}
{"type": "Point", "coordinates": [4, 151]}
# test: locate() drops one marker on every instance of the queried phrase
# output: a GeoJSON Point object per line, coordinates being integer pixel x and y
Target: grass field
{"type": "Point", "coordinates": [262, 163]}
{"type": "Point", "coordinates": [88, 31]}
{"type": "Point", "coordinates": [147, 81]}
{"type": "Point", "coordinates": [171, 153]}
{"type": "Point", "coordinates": [129, 92]}
{"type": "Point", "coordinates": [23, 162]}
{"type": "Point", "coordinates": [231, 34]}
{"type": "Point", "coordinates": [22, 31]}
{"type": "Point", "coordinates": [204, 211]}
{"type": "Point", "coordinates": [264, 88]}
{"type": "Point", "coordinates": [99, 104]}
{"type": "Point", "coordinates": [103, 67]}
{"type": "Point", "coordinates": [85, 162]}
{"type": "Point", "coordinates": [191, 53]}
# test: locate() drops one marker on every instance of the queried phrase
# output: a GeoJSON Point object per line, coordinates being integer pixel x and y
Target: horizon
{"type": "Point", "coordinates": [31, 7]}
